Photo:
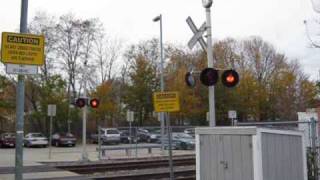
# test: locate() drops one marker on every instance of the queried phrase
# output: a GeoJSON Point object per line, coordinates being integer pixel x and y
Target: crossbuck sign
{"type": "Point", "coordinates": [197, 37]}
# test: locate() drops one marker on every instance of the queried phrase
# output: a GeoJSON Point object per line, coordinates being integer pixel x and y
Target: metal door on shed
{"type": "Point", "coordinates": [282, 157]}
{"type": "Point", "coordinates": [226, 157]}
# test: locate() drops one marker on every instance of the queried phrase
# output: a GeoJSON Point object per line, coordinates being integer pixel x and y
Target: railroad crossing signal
{"type": "Point", "coordinates": [197, 37]}
{"type": "Point", "coordinates": [81, 102]}
{"type": "Point", "coordinates": [210, 76]}
{"type": "Point", "coordinates": [190, 80]}
{"type": "Point", "coordinates": [94, 103]}
{"type": "Point", "coordinates": [230, 78]}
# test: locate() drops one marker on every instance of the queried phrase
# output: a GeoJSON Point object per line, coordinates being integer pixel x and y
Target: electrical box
{"type": "Point", "coordinates": [250, 153]}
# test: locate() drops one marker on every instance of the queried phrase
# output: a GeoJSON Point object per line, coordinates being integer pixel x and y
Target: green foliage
{"type": "Point", "coordinates": [140, 89]}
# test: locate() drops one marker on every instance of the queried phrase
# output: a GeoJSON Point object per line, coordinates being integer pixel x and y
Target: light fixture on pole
{"type": "Point", "coordinates": [207, 3]}
{"type": "Point", "coordinates": [156, 19]}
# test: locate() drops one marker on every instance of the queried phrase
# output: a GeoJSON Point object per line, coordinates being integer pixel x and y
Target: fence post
{"type": "Point", "coordinates": [137, 142]}
{"type": "Point", "coordinates": [314, 148]}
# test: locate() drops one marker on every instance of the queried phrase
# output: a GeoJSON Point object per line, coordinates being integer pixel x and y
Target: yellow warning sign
{"type": "Point", "coordinates": [22, 49]}
{"type": "Point", "coordinates": [166, 101]}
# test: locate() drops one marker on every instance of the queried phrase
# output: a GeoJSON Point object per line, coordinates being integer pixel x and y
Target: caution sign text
{"type": "Point", "coordinates": [166, 101]}
{"type": "Point", "coordinates": [22, 49]}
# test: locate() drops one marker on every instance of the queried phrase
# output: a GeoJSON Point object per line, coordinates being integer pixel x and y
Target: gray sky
{"type": "Point", "coordinates": [277, 21]}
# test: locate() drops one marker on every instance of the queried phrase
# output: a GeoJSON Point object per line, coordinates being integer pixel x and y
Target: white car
{"type": "Point", "coordinates": [110, 135]}
{"type": "Point", "coordinates": [35, 139]}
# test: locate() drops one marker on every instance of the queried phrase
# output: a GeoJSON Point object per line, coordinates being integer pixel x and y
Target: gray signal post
{"type": "Point", "coordinates": [197, 37]}
{"type": "Point", "coordinates": [212, 114]}
{"type": "Point", "coordinates": [84, 155]}
{"type": "Point", "coordinates": [20, 101]}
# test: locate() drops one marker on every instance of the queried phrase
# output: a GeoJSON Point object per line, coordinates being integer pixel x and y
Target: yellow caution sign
{"type": "Point", "coordinates": [22, 49]}
{"type": "Point", "coordinates": [166, 101]}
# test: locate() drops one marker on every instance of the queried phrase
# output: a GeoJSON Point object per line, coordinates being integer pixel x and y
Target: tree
{"type": "Point", "coordinates": [44, 24]}
{"type": "Point", "coordinates": [191, 106]}
{"type": "Point", "coordinates": [106, 53]}
{"type": "Point", "coordinates": [108, 104]}
{"type": "Point", "coordinates": [7, 103]}
{"type": "Point", "coordinates": [142, 84]}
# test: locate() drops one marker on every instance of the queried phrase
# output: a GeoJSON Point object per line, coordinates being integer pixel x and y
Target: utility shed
{"type": "Point", "coordinates": [249, 153]}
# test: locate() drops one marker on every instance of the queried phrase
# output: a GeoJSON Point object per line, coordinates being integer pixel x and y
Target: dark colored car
{"type": "Point", "coordinates": [63, 139]}
{"type": "Point", "coordinates": [125, 137]}
{"type": "Point", "coordinates": [144, 135]}
{"type": "Point", "coordinates": [185, 141]}
{"type": "Point", "coordinates": [7, 140]}
{"type": "Point", "coordinates": [155, 135]}
{"type": "Point", "coordinates": [180, 141]}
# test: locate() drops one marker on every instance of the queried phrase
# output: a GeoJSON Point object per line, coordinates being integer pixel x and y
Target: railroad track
{"type": "Point", "coordinates": [155, 168]}
{"type": "Point", "coordinates": [89, 168]}
{"type": "Point", "coordinates": [180, 173]}
{"type": "Point", "coordinates": [145, 168]}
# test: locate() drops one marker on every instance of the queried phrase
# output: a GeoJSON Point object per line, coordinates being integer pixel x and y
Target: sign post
{"type": "Point", "coordinates": [130, 119]}
{"type": "Point", "coordinates": [19, 49]}
{"type": "Point", "coordinates": [52, 109]}
{"type": "Point", "coordinates": [167, 102]}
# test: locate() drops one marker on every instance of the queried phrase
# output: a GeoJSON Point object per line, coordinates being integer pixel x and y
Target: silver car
{"type": "Point", "coordinates": [110, 135]}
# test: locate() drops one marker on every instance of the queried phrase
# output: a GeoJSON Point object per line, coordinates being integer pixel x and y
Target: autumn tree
{"type": "Point", "coordinates": [139, 92]}
{"type": "Point", "coordinates": [7, 103]}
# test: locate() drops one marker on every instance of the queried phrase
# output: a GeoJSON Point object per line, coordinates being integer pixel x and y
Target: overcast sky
{"type": "Point", "coordinates": [278, 21]}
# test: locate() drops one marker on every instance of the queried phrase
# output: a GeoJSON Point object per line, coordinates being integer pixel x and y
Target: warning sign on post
{"type": "Point", "coordinates": [22, 49]}
{"type": "Point", "coordinates": [166, 101]}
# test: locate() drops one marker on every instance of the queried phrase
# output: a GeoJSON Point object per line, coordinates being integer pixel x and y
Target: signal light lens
{"type": "Point", "coordinates": [80, 102]}
{"type": "Point", "coordinates": [209, 76]}
{"type": "Point", "coordinates": [94, 103]}
{"type": "Point", "coordinates": [230, 78]}
{"type": "Point", "coordinates": [190, 80]}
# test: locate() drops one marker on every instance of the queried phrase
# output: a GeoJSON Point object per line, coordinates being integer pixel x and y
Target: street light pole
{"type": "Point", "coordinates": [159, 18]}
{"type": "Point", "coordinates": [212, 114]}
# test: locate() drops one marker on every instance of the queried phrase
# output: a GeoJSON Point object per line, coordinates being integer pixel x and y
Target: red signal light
{"type": "Point", "coordinates": [94, 103]}
{"type": "Point", "coordinates": [230, 78]}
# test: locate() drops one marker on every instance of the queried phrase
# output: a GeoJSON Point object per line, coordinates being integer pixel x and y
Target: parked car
{"type": "Point", "coordinates": [190, 131]}
{"type": "Point", "coordinates": [125, 137]}
{"type": "Point", "coordinates": [144, 135]}
{"type": "Point", "coordinates": [155, 135]}
{"type": "Point", "coordinates": [180, 141]}
{"type": "Point", "coordinates": [108, 136]}
{"type": "Point", "coordinates": [7, 140]}
{"type": "Point", "coordinates": [35, 139]}
{"type": "Point", "coordinates": [174, 143]}
{"type": "Point", "coordinates": [63, 139]}
{"type": "Point", "coordinates": [185, 141]}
